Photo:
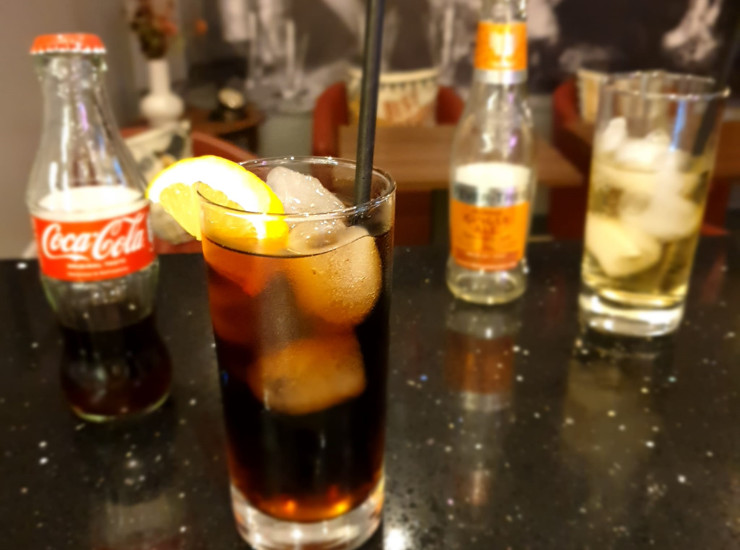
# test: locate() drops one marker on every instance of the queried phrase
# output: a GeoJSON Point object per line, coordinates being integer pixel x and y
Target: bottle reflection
{"type": "Point", "coordinates": [479, 366]}
{"type": "Point", "coordinates": [609, 424]}
{"type": "Point", "coordinates": [131, 467]}
{"type": "Point", "coordinates": [480, 353]}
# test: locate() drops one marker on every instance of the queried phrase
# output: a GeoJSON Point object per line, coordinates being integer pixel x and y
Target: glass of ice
{"type": "Point", "coordinates": [653, 156]}
{"type": "Point", "coordinates": [301, 328]}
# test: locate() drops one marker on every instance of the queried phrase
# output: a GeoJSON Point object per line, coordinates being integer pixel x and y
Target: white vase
{"type": "Point", "coordinates": [160, 106]}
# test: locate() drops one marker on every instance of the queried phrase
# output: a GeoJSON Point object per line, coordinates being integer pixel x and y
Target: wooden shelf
{"type": "Point", "coordinates": [419, 158]}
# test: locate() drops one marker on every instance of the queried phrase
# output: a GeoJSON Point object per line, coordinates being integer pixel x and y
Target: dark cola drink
{"type": "Point", "coordinates": [304, 398]}
{"type": "Point", "coordinates": [117, 373]}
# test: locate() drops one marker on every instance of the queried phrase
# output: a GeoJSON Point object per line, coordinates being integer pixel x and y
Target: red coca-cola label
{"type": "Point", "coordinates": [94, 250]}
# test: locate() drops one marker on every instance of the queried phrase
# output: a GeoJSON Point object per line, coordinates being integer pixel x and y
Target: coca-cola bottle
{"type": "Point", "coordinates": [91, 222]}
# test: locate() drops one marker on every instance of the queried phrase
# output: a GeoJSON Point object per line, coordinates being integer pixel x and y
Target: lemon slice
{"type": "Point", "coordinates": [226, 184]}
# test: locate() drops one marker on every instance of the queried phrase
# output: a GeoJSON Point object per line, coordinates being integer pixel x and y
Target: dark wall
{"type": "Point", "coordinates": [679, 35]}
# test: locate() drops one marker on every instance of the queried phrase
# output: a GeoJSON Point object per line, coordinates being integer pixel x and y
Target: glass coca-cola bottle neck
{"type": "Point", "coordinates": [80, 144]}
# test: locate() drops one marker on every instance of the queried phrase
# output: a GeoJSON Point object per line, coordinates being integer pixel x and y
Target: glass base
{"type": "Point", "coordinates": [606, 315]}
{"type": "Point", "coordinates": [486, 287]}
{"type": "Point", "coordinates": [345, 532]}
{"type": "Point", "coordinates": [102, 419]}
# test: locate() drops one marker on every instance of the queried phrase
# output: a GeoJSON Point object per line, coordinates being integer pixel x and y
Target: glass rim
{"type": "Point", "coordinates": [714, 93]}
{"type": "Point", "coordinates": [342, 213]}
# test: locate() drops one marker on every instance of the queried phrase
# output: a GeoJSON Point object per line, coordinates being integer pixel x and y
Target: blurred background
{"type": "Point", "coordinates": [250, 72]}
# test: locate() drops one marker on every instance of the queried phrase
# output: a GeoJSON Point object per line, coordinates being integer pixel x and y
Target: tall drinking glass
{"type": "Point", "coordinates": [300, 319]}
{"type": "Point", "coordinates": [654, 151]}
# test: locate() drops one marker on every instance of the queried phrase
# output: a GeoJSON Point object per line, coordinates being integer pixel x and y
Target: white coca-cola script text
{"type": "Point", "coordinates": [119, 237]}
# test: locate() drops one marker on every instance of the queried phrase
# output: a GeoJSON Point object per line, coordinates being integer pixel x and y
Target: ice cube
{"type": "Point", "coordinates": [674, 173]}
{"type": "Point", "coordinates": [248, 271]}
{"type": "Point", "coordinates": [659, 137]}
{"type": "Point", "coordinates": [668, 216]}
{"type": "Point", "coordinates": [613, 135]}
{"type": "Point", "coordinates": [676, 160]}
{"type": "Point", "coordinates": [636, 183]}
{"type": "Point", "coordinates": [342, 285]}
{"type": "Point", "coordinates": [639, 183]}
{"type": "Point", "coordinates": [317, 237]}
{"type": "Point", "coordinates": [641, 154]}
{"type": "Point", "coordinates": [301, 193]}
{"type": "Point", "coordinates": [620, 250]}
{"type": "Point", "coordinates": [309, 375]}
{"type": "Point", "coordinates": [252, 303]}
{"type": "Point", "coordinates": [232, 312]}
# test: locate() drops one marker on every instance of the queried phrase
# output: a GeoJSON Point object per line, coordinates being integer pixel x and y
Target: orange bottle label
{"type": "Point", "coordinates": [488, 237]}
{"type": "Point", "coordinates": [501, 46]}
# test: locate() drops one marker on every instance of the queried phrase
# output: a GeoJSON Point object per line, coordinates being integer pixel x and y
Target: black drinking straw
{"type": "Point", "coordinates": [707, 121]}
{"type": "Point", "coordinates": [368, 99]}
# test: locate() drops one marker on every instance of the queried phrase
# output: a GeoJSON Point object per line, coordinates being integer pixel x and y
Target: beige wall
{"type": "Point", "coordinates": [20, 100]}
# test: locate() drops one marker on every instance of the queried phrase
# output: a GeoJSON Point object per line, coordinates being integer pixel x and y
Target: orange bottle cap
{"type": "Point", "coordinates": [69, 42]}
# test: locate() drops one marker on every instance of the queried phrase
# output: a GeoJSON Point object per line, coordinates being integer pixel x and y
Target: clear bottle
{"type": "Point", "coordinates": [492, 170]}
{"type": "Point", "coordinates": [86, 195]}
{"type": "Point", "coordinates": [93, 235]}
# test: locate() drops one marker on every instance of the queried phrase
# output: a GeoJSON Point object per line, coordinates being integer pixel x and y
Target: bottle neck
{"type": "Point", "coordinates": [504, 10]}
{"type": "Point", "coordinates": [483, 90]}
{"type": "Point", "coordinates": [501, 43]}
{"type": "Point", "coordinates": [80, 142]}
{"type": "Point", "coordinates": [75, 101]}
{"type": "Point", "coordinates": [506, 79]}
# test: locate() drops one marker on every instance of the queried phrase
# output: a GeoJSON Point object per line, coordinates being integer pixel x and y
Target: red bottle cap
{"type": "Point", "coordinates": [70, 42]}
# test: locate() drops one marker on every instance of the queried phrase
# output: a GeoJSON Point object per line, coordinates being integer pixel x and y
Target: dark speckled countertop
{"type": "Point", "coordinates": [507, 428]}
